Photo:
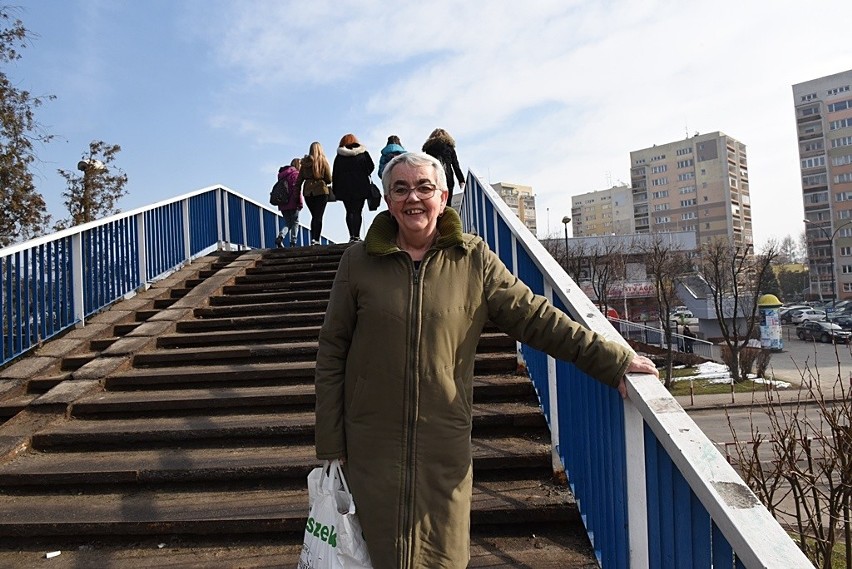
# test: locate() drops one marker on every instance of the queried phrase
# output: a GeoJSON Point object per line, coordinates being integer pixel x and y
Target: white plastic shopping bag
{"type": "Point", "coordinates": [333, 538]}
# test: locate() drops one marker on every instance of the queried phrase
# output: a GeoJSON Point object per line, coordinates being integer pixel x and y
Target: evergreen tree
{"type": "Point", "coordinates": [23, 212]}
{"type": "Point", "coordinates": [93, 193]}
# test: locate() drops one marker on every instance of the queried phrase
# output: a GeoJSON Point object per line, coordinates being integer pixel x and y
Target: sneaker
{"type": "Point", "coordinates": [354, 239]}
{"type": "Point", "coordinates": [292, 240]}
{"type": "Point", "coordinates": [279, 241]}
{"type": "Point", "coordinates": [314, 242]}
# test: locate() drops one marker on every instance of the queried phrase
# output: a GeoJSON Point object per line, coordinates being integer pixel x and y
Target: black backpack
{"type": "Point", "coordinates": [280, 193]}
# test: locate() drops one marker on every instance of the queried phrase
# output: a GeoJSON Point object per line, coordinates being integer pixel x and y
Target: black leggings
{"type": "Point", "coordinates": [354, 209]}
{"type": "Point", "coordinates": [316, 205]}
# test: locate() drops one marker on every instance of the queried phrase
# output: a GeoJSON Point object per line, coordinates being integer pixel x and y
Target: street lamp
{"type": "Point", "coordinates": [831, 252]}
{"type": "Point", "coordinates": [566, 220]}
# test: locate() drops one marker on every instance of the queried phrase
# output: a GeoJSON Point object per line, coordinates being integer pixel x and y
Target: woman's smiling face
{"type": "Point", "coordinates": [416, 215]}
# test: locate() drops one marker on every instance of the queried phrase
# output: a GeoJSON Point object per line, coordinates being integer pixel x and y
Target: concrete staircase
{"type": "Point", "coordinates": [180, 432]}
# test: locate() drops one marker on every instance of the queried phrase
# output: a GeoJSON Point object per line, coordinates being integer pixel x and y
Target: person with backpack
{"type": "Point", "coordinates": [286, 193]}
{"type": "Point", "coordinates": [391, 150]}
{"type": "Point", "coordinates": [441, 145]}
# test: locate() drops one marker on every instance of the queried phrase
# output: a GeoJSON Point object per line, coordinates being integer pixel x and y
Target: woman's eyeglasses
{"type": "Point", "coordinates": [423, 191]}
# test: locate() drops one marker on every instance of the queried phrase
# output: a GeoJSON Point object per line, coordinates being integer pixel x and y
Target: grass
{"type": "Point", "coordinates": [706, 387]}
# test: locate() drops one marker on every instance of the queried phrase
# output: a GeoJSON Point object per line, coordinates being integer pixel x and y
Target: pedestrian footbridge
{"type": "Point", "coordinates": [157, 404]}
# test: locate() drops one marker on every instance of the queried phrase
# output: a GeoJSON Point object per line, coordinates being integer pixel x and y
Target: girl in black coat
{"type": "Point", "coordinates": [351, 181]}
{"type": "Point", "coordinates": [442, 146]}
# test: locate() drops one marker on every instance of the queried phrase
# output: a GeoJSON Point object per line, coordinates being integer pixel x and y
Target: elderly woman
{"type": "Point", "coordinates": [394, 376]}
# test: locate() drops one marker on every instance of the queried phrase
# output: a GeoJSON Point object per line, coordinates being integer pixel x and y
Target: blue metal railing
{"type": "Point", "coordinates": [55, 282]}
{"type": "Point", "coordinates": [652, 490]}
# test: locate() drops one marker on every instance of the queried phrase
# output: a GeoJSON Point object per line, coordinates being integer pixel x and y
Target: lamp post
{"type": "Point", "coordinates": [566, 220]}
{"type": "Point", "coordinates": [831, 252]}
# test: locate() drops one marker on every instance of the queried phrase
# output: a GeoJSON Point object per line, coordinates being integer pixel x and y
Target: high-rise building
{"type": "Point", "coordinates": [604, 212]}
{"type": "Point", "coordinates": [697, 184]}
{"type": "Point", "coordinates": [824, 129]}
{"type": "Point", "coordinates": [521, 200]}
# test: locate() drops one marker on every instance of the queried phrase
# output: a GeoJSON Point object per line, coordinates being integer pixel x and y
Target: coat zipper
{"type": "Point", "coordinates": [408, 493]}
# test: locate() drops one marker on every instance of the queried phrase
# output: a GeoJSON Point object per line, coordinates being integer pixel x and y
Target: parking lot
{"type": "Point", "coordinates": [814, 361]}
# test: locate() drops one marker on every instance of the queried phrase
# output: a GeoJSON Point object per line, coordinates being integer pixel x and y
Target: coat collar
{"type": "Point", "coordinates": [344, 151]}
{"type": "Point", "coordinates": [381, 237]}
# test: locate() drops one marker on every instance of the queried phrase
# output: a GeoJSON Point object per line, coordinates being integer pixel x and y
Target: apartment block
{"type": "Point", "coordinates": [604, 212]}
{"type": "Point", "coordinates": [697, 184]}
{"type": "Point", "coordinates": [520, 200]}
{"type": "Point", "coordinates": [824, 129]}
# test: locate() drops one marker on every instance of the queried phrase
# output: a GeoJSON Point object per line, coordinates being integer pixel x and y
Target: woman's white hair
{"type": "Point", "coordinates": [415, 159]}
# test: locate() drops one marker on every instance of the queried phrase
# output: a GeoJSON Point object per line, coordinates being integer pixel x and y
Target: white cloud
{"type": "Point", "coordinates": [550, 94]}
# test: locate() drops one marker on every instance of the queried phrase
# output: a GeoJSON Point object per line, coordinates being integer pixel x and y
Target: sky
{"type": "Point", "coordinates": [550, 94]}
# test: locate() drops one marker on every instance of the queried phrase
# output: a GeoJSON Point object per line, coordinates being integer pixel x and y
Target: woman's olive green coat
{"type": "Point", "coordinates": [394, 381]}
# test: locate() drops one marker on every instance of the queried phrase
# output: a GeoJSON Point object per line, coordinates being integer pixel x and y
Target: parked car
{"type": "Point", "coordinates": [807, 314]}
{"type": "Point", "coordinates": [844, 321]}
{"type": "Point", "coordinates": [786, 312]}
{"type": "Point", "coordinates": [823, 332]}
{"type": "Point", "coordinates": [683, 318]}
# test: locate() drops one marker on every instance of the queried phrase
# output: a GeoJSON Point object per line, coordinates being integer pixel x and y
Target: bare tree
{"type": "Point", "coordinates": [797, 459]}
{"type": "Point", "coordinates": [665, 264]}
{"type": "Point", "coordinates": [606, 266]}
{"type": "Point", "coordinates": [23, 212]}
{"type": "Point", "coordinates": [93, 193]}
{"type": "Point", "coordinates": [734, 276]}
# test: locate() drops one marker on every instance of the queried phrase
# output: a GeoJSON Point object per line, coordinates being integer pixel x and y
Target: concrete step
{"type": "Point", "coordinates": [542, 546]}
{"type": "Point", "coordinates": [256, 509]}
{"type": "Point", "coordinates": [485, 388]}
{"type": "Point", "coordinates": [212, 464]}
{"type": "Point", "coordinates": [291, 268]}
{"type": "Point", "coordinates": [253, 426]}
{"type": "Point", "coordinates": [278, 285]}
{"type": "Point", "coordinates": [238, 336]}
{"type": "Point", "coordinates": [292, 307]}
{"type": "Point", "coordinates": [298, 295]}
{"type": "Point", "coordinates": [499, 362]}
{"type": "Point", "coordinates": [255, 322]}
{"type": "Point", "coordinates": [217, 374]}
{"type": "Point", "coordinates": [296, 278]}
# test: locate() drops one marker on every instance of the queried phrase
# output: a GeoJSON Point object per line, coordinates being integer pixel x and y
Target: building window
{"type": "Point", "coordinates": [842, 196]}
{"type": "Point", "coordinates": [683, 151]}
{"type": "Point", "coordinates": [665, 219]}
{"type": "Point", "coordinates": [685, 163]}
{"type": "Point", "coordinates": [661, 194]}
{"type": "Point", "coordinates": [842, 141]}
{"type": "Point", "coordinates": [846, 232]}
{"type": "Point", "coordinates": [843, 178]}
{"type": "Point", "coordinates": [815, 162]}
{"type": "Point", "coordinates": [820, 197]}
{"type": "Point", "coordinates": [812, 146]}
{"type": "Point", "coordinates": [846, 269]}
{"type": "Point", "coordinates": [658, 157]}
{"type": "Point", "coordinates": [816, 180]}
{"type": "Point", "coordinates": [660, 181]}
{"type": "Point", "coordinates": [688, 215]}
{"type": "Point", "coordinates": [844, 214]}
{"type": "Point", "coordinates": [846, 251]}
{"type": "Point", "coordinates": [841, 160]}
{"type": "Point", "coordinates": [842, 123]}
{"type": "Point", "coordinates": [686, 176]}
{"type": "Point", "coordinates": [661, 207]}
{"type": "Point", "coordinates": [687, 190]}
{"type": "Point", "coordinates": [659, 169]}
{"type": "Point", "coordinates": [687, 203]}
{"type": "Point", "coordinates": [840, 106]}
{"type": "Point", "coordinates": [847, 287]}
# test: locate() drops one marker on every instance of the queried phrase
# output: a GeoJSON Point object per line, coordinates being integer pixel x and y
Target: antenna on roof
{"type": "Point", "coordinates": [608, 179]}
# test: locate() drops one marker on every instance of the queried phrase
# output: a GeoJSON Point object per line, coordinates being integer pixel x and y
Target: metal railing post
{"type": "Point", "coordinates": [77, 278]}
{"type": "Point", "coordinates": [143, 250]}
